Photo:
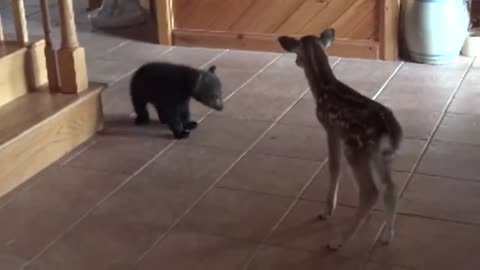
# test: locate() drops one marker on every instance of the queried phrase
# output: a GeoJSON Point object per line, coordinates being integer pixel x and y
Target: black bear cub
{"type": "Point", "coordinates": [169, 88]}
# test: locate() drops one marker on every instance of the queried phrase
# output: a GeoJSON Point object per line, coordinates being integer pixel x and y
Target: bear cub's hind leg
{"type": "Point", "coordinates": [140, 107]}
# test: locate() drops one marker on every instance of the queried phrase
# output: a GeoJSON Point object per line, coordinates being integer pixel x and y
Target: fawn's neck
{"type": "Point", "coordinates": [318, 71]}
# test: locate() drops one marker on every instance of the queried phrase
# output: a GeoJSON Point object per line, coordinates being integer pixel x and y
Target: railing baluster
{"type": "Point", "coordinates": [2, 38]}
{"type": "Point", "coordinates": [71, 57]}
{"type": "Point", "coordinates": [20, 21]}
{"type": "Point", "coordinates": [50, 53]}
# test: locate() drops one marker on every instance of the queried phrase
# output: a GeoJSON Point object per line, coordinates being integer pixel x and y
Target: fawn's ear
{"type": "Point", "coordinates": [289, 44]}
{"type": "Point", "coordinates": [212, 69]}
{"type": "Point", "coordinates": [327, 37]}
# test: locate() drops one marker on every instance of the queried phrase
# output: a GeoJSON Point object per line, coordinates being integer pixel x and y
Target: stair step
{"type": "Point", "coordinates": [40, 127]}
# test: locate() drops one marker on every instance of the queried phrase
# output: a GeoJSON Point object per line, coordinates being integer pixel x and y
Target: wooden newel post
{"type": "Point", "coordinates": [20, 21]}
{"type": "Point", "coordinates": [71, 57]}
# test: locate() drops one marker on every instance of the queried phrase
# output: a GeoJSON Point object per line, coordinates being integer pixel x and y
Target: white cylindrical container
{"type": "Point", "coordinates": [435, 30]}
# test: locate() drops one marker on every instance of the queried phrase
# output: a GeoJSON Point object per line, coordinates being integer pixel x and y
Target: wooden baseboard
{"type": "Point", "coordinates": [39, 128]}
{"type": "Point", "coordinates": [268, 42]}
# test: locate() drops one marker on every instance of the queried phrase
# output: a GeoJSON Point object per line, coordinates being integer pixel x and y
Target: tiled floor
{"type": "Point", "coordinates": [244, 190]}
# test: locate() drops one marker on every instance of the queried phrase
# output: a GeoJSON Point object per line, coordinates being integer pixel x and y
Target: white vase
{"type": "Point", "coordinates": [435, 30]}
{"type": "Point", "coordinates": [117, 13]}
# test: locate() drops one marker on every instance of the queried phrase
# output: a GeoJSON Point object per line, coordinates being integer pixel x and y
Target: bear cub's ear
{"type": "Point", "coordinates": [212, 69]}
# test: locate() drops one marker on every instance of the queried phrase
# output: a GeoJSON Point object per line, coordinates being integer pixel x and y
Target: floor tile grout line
{"type": "Point", "coordinates": [112, 84]}
{"type": "Point", "coordinates": [297, 198]}
{"type": "Point", "coordinates": [287, 212]}
{"type": "Point", "coordinates": [129, 178]}
{"type": "Point", "coordinates": [389, 79]}
{"type": "Point", "coordinates": [229, 168]}
{"type": "Point", "coordinates": [212, 186]}
{"type": "Point", "coordinates": [448, 178]}
{"type": "Point", "coordinates": [126, 181]}
{"type": "Point", "coordinates": [218, 179]}
{"type": "Point", "coordinates": [441, 219]}
{"type": "Point", "coordinates": [437, 125]}
{"type": "Point", "coordinates": [427, 144]}
{"type": "Point", "coordinates": [28, 187]}
{"type": "Point", "coordinates": [243, 85]}
{"type": "Point", "coordinates": [324, 163]}
{"type": "Point", "coordinates": [118, 46]}
{"type": "Point", "coordinates": [457, 142]}
{"type": "Point", "coordinates": [83, 149]}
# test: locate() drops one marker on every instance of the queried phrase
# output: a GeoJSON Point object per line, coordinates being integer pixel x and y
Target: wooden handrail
{"type": "Point", "coordinates": [20, 21]}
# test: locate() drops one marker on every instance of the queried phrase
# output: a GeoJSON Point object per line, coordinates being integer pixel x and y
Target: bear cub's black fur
{"type": "Point", "coordinates": [169, 88]}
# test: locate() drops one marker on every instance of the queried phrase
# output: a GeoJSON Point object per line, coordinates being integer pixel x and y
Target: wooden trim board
{"type": "Point", "coordinates": [268, 42]}
{"type": "Point", "coordinates": [389, 28]}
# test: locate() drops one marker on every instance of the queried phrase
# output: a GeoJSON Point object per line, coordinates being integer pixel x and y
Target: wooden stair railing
{"type": "Point", "coordinates": [71, 57]}
{"type": "Point", "coordinates": [38, 127]}
{"type": "Point", "coordinates": [50, 53]}
{"type": "Point", "coordinates": [72, 78]}
{"type": "Point", "coordinates": [1, 30]}
{"type": "Point", "coordinates": [20, 21]}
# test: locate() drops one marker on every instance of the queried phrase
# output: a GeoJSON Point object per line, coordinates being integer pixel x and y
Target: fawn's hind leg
{"type": "Point", "coordinates": [382, 165]}
{"type": "Point", "coordinates": [334, 168]}
{"type": "Point", "coordinates": [140, 108]}
{"type": "Point", "coordinates": [362, 170]}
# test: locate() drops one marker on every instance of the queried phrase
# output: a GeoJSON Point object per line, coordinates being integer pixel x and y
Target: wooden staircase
{"type": "Point", "coordinates": [45, 111]}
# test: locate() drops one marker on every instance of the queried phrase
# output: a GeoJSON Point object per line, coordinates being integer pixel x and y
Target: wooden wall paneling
{"type": "Point", "coordinates": [255, 24]}
{"type": "Point", "coordinates": [231, 14]}
{"type": "Point", "coordinates": [365, 23]}
{"type": "Point", "coordinates": [183, 11]}
{"type": "Point", "coordinates": [327, 17]}
{"type": "Point", "coordinates": [265, 16]}
{"type": "Point", "coordinates": [297, 21]}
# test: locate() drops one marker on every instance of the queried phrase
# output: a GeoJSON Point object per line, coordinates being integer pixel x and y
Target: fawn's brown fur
{"type": "Point", "coordinates": [367, 131]}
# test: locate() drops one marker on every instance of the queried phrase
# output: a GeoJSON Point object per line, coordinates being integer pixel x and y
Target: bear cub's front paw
{"type": "Point", "coordinates": [191, 125]}
{"type": "Point", "coordinates": [182, 135]}
{"type": "Point", "coordinates": [142, 121]}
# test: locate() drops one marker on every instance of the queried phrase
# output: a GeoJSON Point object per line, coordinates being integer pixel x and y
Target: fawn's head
{"type": "Point", "coordinates": [311, 55]}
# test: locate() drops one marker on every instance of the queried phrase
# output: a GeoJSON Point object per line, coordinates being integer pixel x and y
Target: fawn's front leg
{"type": "Point", "coordinates": [334, 168]}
